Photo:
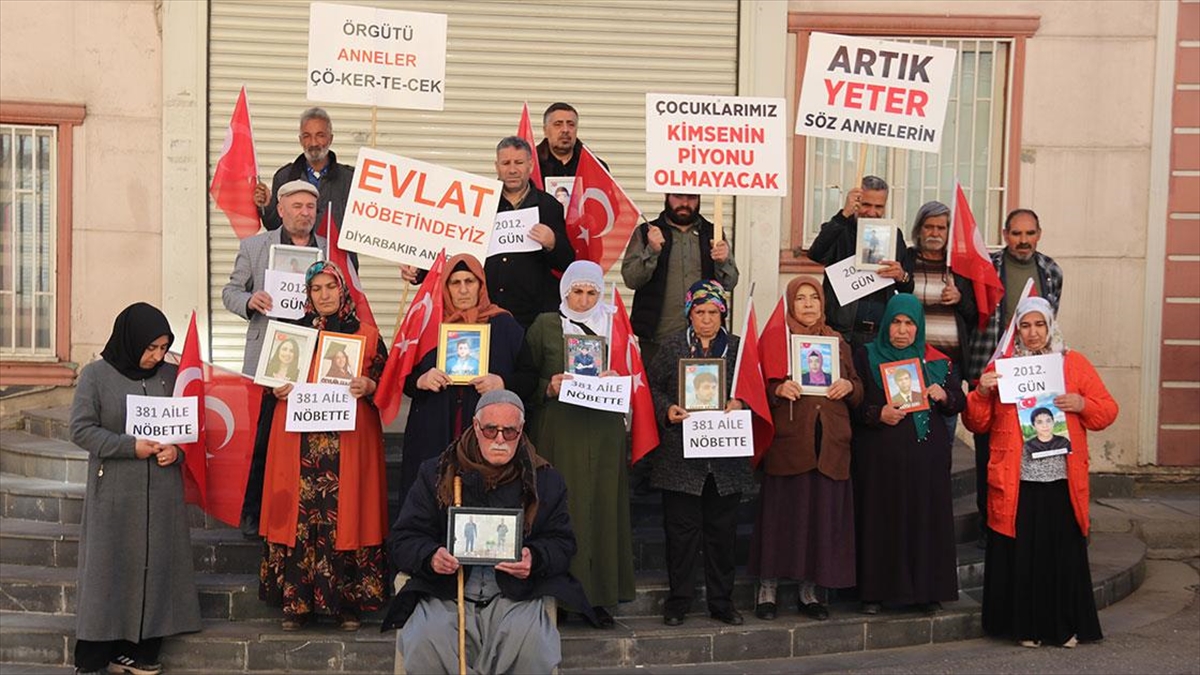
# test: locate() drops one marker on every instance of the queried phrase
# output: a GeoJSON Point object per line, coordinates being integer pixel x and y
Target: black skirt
{"type": "Point", "coordinates": [1039, 586]}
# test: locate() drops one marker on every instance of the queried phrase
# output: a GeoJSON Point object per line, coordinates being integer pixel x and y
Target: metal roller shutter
{"type": "Point", "coordinates": [602, 57]}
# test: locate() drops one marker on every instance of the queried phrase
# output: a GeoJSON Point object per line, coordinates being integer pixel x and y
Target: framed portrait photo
{"type": "Point", "coordinates": [286, 355]}
{"type": "Point", "coordinates": [340, 357]}
{"type": "Point", "coordinates": [463, 350]}
{"type": "Point", "coordinates": [815, 363]}
{"type": "Point", "coordinates": [876, 242]}
{"type": "Point", "coordinates": [294, 259]}
{"type": "Point", "coordinates": [584, 354]}
{"type": "Point", "coordinates": [904, 384]}
{"type": "Point", "coordinates": [560, 187]}
{"type": "Point", "coordinates": [483, 536]}
{"type": "Point", "coordinates": [702, 384]}
{"type": "Point", "coordinates": [1043, 426]}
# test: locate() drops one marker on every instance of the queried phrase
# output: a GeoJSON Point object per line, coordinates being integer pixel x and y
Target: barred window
{"type": "Point", "coordinates": [28, 240]}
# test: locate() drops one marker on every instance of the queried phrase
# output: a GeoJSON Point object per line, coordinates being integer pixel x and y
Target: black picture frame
{"type": "Point", "coordinates": [503, 545]}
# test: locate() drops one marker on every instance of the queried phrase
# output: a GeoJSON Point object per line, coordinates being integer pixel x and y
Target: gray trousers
{"type": "Point", "coordinates": [503, 637]}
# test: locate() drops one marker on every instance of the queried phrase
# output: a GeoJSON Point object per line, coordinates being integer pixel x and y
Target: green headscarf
{"type": "Point", "coordinates": [881, 351]}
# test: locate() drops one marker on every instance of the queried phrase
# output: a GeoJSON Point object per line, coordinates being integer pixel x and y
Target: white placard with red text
{"type": "Point", "coordinates": [379, 57]}
{"type": "Point", "coordinates": [405, 210]}
{"type": "Point", "coordinates": [729, 145]}
{"type": "Point", "coordinates": [877, 92]}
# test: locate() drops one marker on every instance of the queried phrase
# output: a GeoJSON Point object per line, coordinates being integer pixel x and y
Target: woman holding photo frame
{"type": "Point", "coordinates": [700, 496]}
{"type": "Point", "coordinates": [1037, 585]}
{"type": "Point", "coordinates": [805, 525]}
{"type": "Point", "coordinates": [440, 410]}
{"type": "Point", "coordinates": [901, 469]}
{"type": "Point", "coordinates": [325, 515]}
{"type": "Point", "coordinates": [587, 446]}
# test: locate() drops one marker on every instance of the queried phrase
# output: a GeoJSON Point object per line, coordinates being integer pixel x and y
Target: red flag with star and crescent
{"type": "Point", "coordinates": [418, 335]}
{"type": "Point", "coordinates": [236, 173]}
{"type": "Point", "coordinates": [217, 465]}
{"type": "Point", "coordinates": [525, 131]}
{"type": "Point", "coordinates": [626, 358]}
{"type": "Point", "coordinates": [600, 216]}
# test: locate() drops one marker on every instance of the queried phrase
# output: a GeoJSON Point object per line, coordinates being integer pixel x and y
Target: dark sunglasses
{"type": "Point", "coordinates": [489, 431]}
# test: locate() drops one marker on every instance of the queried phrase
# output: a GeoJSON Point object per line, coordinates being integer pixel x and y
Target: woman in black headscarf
{"type": "Point", "coordinates": [135, 553]}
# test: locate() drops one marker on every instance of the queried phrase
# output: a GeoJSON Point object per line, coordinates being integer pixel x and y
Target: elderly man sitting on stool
{"type": "Point", "coordinates": [507, 627]}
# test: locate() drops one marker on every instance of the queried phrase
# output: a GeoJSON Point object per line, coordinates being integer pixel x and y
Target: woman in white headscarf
{"type": "Point", "coordinates": [1037, 586]}
{"type": "Point", "coordinates": [587, 446]}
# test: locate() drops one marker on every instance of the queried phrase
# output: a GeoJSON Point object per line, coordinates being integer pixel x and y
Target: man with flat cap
{"type": "Point", "coordinates": [507, 627]}
{"type": "Point", "coordinates": [245, 295]}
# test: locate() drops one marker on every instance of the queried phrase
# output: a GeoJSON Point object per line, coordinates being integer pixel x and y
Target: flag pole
{"type": "Point", "coordinates": [462, 609]}
{"type": "Point", "coordinates": [718, 217]}
{"type": "Point", "coordinates": [374, 120]}
{"type": "Point", "coordinates": [862, 165]}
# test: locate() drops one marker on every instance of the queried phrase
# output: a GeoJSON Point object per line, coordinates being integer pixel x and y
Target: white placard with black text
{"type": "Point", "coordinates": [1026, 376]}
{"type": "Point", "coordinates": [287, 292]}
{"type": "Point", "coordinates": [162, 419]}
{"type": "Point", "coordinates": [714, 433]}
{"type": "Point", "coordinates": [601, 393]}
{"type": "Point", "coordinates": [321, 407]}
{"type": "Point", "coordinates": [850, 283]}
{"type": "Point", "coordinates": [510, 233]}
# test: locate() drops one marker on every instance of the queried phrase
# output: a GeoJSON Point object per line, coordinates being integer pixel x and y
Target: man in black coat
{"type": "Point", "coordinates": [508, 629]}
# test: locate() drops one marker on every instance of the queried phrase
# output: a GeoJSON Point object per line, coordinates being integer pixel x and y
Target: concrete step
{"type": "Point", "coordinates": [40, 499]}
{"type": "Point", "coordinates": [49, 422]}
{"type": "Point", "coordinates": [26, 454]}
{"type": "Point", "coordinates": [1118, 567]}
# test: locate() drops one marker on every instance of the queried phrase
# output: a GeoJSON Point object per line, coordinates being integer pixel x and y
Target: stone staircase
{"type": "Point", "coordinates": [41, 493]}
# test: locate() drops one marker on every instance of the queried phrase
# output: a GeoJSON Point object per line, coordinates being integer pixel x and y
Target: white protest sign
{"type": "Point", "coordinates": [380, 57]}
{"type": "Point", "coordinates": [714, 433]}
{"type": "Point", "coordinates": [162, 419]}
{"type": "Point", "coordinates": [321, 407]}
{"type": "Point", "coordinates": [729, 145]}
{"type": "Point", "coordinates": [287, 292]}
{"type": "Point", "coordinates": [510, 233]}
{"type": "Point", "coordinates": [406, 211]}
{"type": "Point", "coordinates": [602, 393]}
{"type": "Point", "coordinates": [850, 283]}
{"type": "Point", "coordinates": [871, 91]}
{"type": "Point", "coordinates": [1026, 376]}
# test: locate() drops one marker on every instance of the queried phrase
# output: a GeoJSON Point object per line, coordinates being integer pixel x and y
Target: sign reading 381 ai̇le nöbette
{"type": "Point", "coordinates": [380, 57]}
{"type": "Point", "coordinates": [728, 145]}
{"type": "Point", "coordinates": [871, 91]}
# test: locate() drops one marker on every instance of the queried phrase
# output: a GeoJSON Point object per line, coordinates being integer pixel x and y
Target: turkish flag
{"type": "Point", "coordinates": [969, 258]}
{"type": "Point", "coordinates": [750, 387]}
{"type": "Point", "coordinates": [236, 174]}
{"type": "Point", "coordinates": [338, 257]}
{"type": "Point", "coordinates": [600, 216]}
{"type": "Point", "coordinates": [189, 382]}
{"type": "Point", "coordinates": [525, 131]}
{"type": "Point", "coordinates": [418, 335]}
{"type": "Point", "coordinates": [773, 346]}
{"type": "Point", "coordinates": [217, 465]}
{"type": "Point", "coordinates": [1007, 344]}
{"type": "Point", "coordinates": [626, 358]}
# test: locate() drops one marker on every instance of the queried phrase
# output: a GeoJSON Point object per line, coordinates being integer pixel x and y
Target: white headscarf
{"type": "Point", "coordinates": [1054, 338]}
{"type": "Point", "coordinates": [584, 273]}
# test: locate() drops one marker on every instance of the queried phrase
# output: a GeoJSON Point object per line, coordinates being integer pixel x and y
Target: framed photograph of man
{"type": "Point", "coordinates": [287, 353]}
{"type": "Point", "coordinates": [463, 350]}
{"type": "Point", "coordinates": [560, 187]}
{"type": "Point", "coordinates": [484, 536]}
{"type": "Point", "coordinates": [295, 259]}
{"type": "Point", "coordinates": [1043, 426]}
{"type": "Point", "coordinates": [815, 363]}
{"type": "Point", "coordinates": [584, 354]}
{"type": "Point", "coordinates": [904, 384]}
{"type": "Point", "coordinates": [702, 384]}
{"type": "Point", "coordinates": [341, 357]}
{"type": "Point", "coordinates": [876, 243]}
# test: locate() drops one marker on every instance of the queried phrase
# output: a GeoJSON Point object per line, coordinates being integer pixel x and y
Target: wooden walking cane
{"type": "Point", "coordinates": [462, 610]}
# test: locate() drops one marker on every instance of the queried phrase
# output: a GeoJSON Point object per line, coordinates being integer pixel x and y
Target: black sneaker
{"type": "Point", "coordinates": [125, 664]}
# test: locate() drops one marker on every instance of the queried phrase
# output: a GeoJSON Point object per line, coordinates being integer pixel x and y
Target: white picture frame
{"type": "Point", "coordinates": [293, 259]}
{"type": "Point", "coordinates": [275, 365]}
{"type": "Point", "coordinates": [874, 242]}
{"type": "Point", "coordinates": [806, 348]}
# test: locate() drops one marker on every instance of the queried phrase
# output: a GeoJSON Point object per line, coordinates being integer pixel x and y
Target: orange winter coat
{"type": "Point", "coordinates": [362, 482]}
{"type": "Point", "coordinates": [986, 414]}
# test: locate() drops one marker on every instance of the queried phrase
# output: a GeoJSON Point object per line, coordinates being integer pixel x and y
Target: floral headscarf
{"type": "Point", "coordinates": [703, 292]}
{"type": "Point", "coordinates": [346, 318]}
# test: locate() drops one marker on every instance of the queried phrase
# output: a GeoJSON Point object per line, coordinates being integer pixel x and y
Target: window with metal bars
{"type": "Point", "coordinates": [28, 241]}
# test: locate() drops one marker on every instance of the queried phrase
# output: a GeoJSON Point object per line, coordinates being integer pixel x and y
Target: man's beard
{"type": "Point", "coordinates": [314, 154]}
{"type": "Point", "coordinates": [688, 219]}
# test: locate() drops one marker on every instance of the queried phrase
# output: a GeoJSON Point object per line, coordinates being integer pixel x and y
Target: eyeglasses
{"type": "Point", "coordinates": [489, 431]}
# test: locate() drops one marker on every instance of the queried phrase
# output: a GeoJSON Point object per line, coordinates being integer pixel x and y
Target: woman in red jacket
{"type": "Point", "coordinates": [1037, 585]}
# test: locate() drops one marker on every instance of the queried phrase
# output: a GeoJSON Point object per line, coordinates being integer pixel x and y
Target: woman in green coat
{"type": "Point", "coordinates": [587, 446]}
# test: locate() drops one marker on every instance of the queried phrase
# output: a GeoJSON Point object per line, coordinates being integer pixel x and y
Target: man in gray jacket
{"type": "Point", "coordinates": [245, 296]}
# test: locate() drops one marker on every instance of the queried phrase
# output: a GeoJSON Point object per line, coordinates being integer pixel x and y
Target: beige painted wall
{"type": "Point", "coordinates": [1085, 168]}
{"type": "Point", "coordinates": [105, 55]}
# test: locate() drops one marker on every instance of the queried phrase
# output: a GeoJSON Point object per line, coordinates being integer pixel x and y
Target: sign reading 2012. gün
{"type": "Point", "coordinates": [871, 91]}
